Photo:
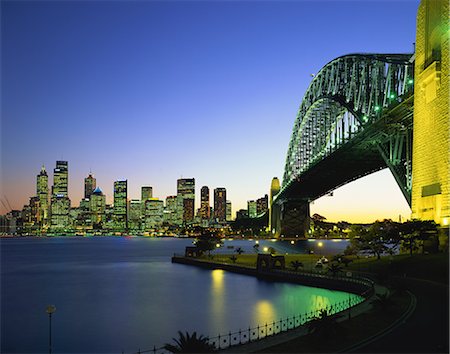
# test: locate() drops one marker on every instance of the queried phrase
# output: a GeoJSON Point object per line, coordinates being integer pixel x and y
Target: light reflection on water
{"type": "Point", "coordinates": [116, 294]}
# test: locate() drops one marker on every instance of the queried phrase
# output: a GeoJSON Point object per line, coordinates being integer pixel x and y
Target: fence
{"type": "Point", "coordinates": [223, 341]}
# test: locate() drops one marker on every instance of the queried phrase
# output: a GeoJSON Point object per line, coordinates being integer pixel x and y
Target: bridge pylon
{"type": "Point", "coordinates": [291, 218]}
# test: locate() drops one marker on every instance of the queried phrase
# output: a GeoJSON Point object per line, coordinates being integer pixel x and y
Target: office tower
{"type": "Point", "coordinates": [34, 224]}
{"type": "Point", "coordinates": [89, 185]}
{"type": "Point", "coordinates": [228, 211]}
{"type": "Point", "coordinates": [135, 215]}
{"type": "Point", "coordinates": [60, 202]}
{"type": "Point", "coordinates": [262, 205]}
{"type": "Point", "coordinates": [251, 207]}
{"type": "Point", "coordinates": [60, 207]}
{"type": "Point", "coordinates": [42, 194]}
{"type": "Point", "coordinates": [84, 220]}
{"type": "Point", "coordinates": [146, 193]}
{"type": "Point", "coordinates": [220, 204]}
{"type": "Point", "coordinates": [204, 203]}
{"type": "Point", "coordinates": [60, 179]}
{"type": "Point", "coordinates": [120, 206]}
{"type": "Point", "coordinates": [154, 211]}
{"type": "Point", "coordinates": [170, 212]}
{"type": "Point", "coordinates": [274, 190]}
{"type": "Point", "coordinates": [97, 203]}
{"type": "Point", "coordinates": [186, 191]}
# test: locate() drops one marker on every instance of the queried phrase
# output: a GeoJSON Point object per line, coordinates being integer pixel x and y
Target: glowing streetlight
{"type": "Point", "coordinates": [50, 310]}
{"type": "Point", "coordinates": [320, 244]}
{"type": "Point", "coordinates": [265, 249]}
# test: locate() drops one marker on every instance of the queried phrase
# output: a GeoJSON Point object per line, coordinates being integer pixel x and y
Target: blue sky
{"type": "Point", "coordinates": [155, 90]}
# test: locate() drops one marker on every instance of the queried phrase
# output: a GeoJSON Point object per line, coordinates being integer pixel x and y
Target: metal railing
{"type": "Point", "coordinates": [251, 334]}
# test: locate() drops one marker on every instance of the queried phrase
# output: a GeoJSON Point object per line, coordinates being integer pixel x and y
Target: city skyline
{"type": "Point", "coordinates": [173, 84]}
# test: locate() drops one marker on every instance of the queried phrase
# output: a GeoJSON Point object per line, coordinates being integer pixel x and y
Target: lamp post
{"type": "Point", "coordinates": [50, 310]}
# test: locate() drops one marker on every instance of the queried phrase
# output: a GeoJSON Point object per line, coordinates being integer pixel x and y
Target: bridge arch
{"type": "Point", "coordinates": [355, 118]}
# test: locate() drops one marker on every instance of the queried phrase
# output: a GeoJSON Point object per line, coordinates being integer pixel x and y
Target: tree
{"type": "Point", "coordinates": [335, 269]}
{"type": "Point", "coordinates": [190, 344]}
{"type": "Point", "coordinates": [378, 238]}
{"type": "Point", "coordinates": [296, 265]}
{"type": "Point", "coordinates": [272, 250]}
{"type": "Point", "coordinates": [208, 243]}
{"type": "Point", "coordinates": [416, 232]}
{"type": "Point", "coordinates": [239, 250]}
{"type": "Point", "coordinates": [233, 258]}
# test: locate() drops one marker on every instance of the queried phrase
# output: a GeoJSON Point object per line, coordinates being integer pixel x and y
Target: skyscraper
{"type": "Point", "coordinates": [97, 203]}
{"type": "Point", "coordinates": [120, 206]}
{"type": "Point", "coordinates": [220, 204]}
{"type": "Point", "coordinates": [228, 213]}
{"type": "Point", "coordinates": [60, 202]}
{"type": "Point", "coordinates": [171, 210]}
{"type": "Point", "coordinates": [146, 193]}
{"type": "Point", "coordinates": [262, 204]}
{"type": "Point", "coordinates": [154, 212]}
{"type": "Point", "coordinates": [204, 203]}
{"type": "Point", "coordinates": [42, 194]}
{"type": "Point", "coordinates": [135, 215]}
{"type": "Point", "coordinates": [89, 185]}
{"type": "Point", "coordinates": [61, 178]}
{"type": "Point", "coordinates": [186, 191]}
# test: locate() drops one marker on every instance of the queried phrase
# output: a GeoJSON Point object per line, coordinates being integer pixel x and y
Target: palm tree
{"type": "Point", "coordinates": [239, 250]}
{"type": "Point", "coordinates": [296, 265]}
{"type": "Point", "coordinates": [335, 269]}
{"type": "Point", "coordinates": [190, 344]}
{"type": "Point", "coordinates": [233, 258]}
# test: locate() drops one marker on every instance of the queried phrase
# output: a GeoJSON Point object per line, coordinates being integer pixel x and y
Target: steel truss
{"type": "Point", "coordinates": [349, 96]}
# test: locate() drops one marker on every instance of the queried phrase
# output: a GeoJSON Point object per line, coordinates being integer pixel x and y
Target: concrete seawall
{"type": "Point", "coordinates": [359, 286]}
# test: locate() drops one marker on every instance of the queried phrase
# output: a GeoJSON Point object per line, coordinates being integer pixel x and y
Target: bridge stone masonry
{"type": "Point", "coordinates": [365, 112]}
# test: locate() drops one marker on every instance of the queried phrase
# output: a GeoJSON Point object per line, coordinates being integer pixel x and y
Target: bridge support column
{"type": "Point", "coordinates": [293, 219]}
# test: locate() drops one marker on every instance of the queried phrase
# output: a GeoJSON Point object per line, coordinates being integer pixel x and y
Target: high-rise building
{"type": "Point", "coordinates": [220, 204]}
{"type": "Point", "coordinates": [170, 212]}
{"type": "Point", "coordinates": [135, 215]}
{"type": "Point", "coordinates": [154, 211]}
{"type": "Point", "coordinates": [186, 191]}
{"type": "Point", "coordinates": [204, 203]}
{"type": "Point", "coordinates": [228, 212]}
{"type": "Point", "coordinates": [61, 178]}
{"type": "Point", "coordinates": [97, 203]}
{"type": "Point", "coordinates": [89, 185]}
{"type": "Point", "coordinates": [146, 193]}
{"type": "Point", "coordinates": [60, 202]}
{"type": "Point", "coordinates": [251, 207]}
{"type": "Point", "coordinates": [42, 194]}
{"type": "Point", "coordinates": [120, 206]}
{"type": "Point", "coordinates": [262, 205]}
{"type": "Point", "coordinates": [60, 207]}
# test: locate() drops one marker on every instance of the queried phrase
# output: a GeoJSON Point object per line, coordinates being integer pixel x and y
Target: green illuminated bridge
{"type": "Point", "coordinates": [355, 118]}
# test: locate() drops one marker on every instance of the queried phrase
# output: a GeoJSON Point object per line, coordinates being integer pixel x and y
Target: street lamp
{"type": "Point", "coordinates": [50, 310]}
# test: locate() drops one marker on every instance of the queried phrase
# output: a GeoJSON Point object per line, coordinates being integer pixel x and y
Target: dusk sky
{"type": "Point", "coordinates": [152, 91]}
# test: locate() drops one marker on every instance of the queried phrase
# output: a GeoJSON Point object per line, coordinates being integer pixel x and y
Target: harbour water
{"type": "Point", "coordinates": [115, 294]}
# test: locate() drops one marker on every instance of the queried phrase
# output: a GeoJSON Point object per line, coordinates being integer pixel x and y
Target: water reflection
{"type": "Point", "coordinates": [318, 302]}
{"type": "Point", "coordinates": [217, 307]}
{"type": "Point", "coordinates": [264, 312]}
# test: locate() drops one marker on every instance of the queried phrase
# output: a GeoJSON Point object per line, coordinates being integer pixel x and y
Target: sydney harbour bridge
{"type": "Point", "coordinates": [359, 115]}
